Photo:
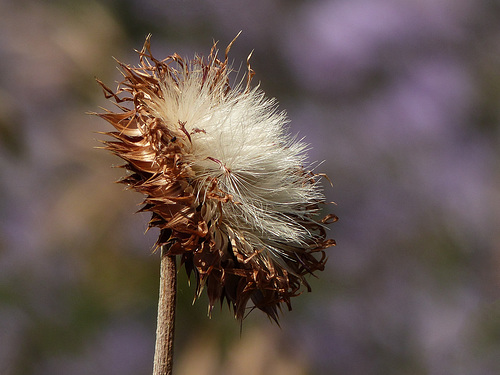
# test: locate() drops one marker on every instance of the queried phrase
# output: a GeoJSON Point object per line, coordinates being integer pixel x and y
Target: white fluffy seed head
{"type": "Point", "coordinates": [225, 181]}
{"type": "Point", "coordinates": [240, 139]}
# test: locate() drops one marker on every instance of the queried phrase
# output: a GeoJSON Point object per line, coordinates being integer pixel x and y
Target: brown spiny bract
{"type": "Point", "coordinates": [224, 181]}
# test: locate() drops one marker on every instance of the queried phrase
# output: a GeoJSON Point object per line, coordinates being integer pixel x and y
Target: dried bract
{"type": "Point", "coordinates": [224, 181]}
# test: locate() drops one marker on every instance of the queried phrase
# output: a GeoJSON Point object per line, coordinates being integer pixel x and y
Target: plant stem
{"type": "Point", "coordinates": [164, 348]}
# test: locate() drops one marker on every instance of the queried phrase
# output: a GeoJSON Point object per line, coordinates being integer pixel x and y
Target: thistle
{"type": "Point", "coordinates": [224, 181]}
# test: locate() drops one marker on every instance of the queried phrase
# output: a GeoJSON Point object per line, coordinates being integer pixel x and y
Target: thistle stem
{"type": "Point", "coordinates": [164, 348]}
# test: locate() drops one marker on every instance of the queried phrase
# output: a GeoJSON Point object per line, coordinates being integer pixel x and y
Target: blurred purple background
{"type": "Point", "coordinates": [401, 100]}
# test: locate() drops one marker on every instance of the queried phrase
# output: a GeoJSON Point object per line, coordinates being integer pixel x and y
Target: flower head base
{"type": "Point", "coordinates": [224, 181]}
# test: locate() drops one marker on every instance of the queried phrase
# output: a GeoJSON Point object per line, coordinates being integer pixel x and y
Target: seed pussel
{"type": "Point", "coordinates": [226, 184]}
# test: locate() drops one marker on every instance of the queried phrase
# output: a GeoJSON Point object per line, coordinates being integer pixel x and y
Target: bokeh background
{"type": "Point", "coordinates": [400, 98]}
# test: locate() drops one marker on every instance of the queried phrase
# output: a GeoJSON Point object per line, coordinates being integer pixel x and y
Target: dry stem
{"type": "Point", "coordinates": [164, 348]}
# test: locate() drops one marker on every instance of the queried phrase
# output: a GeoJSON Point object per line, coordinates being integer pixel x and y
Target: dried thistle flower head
{"type": "Point", "coordinates": [224, 181]}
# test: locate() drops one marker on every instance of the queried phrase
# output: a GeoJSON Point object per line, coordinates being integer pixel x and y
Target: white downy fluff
{"type": "Point", "coordinates": [242, 140]}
